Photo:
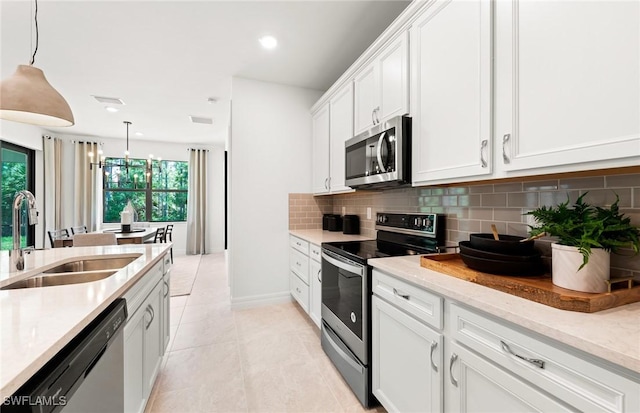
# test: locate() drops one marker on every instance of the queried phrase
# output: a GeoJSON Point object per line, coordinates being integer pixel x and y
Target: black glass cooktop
{"type": "Point", "coordinates": [393, 246]}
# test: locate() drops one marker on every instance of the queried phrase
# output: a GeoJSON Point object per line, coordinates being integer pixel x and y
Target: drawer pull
{"type": "Point", "coordinates": [319, 272]}
{"type": "Point", "coordinates": [434, 344]}
{"type": "Point", "coordinates": [401, 294]}
{"type": "Point", "coordinates": [454, 357]}
{"type": "Point", "coordinates": [535, 362]}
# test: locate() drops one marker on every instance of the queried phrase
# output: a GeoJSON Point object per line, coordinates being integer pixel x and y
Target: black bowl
{"type": "Point", "coordinates": [512, 268]}
{"type": "Point", "coordinates": [467, 249]}
{"type": "Point", "coordinates": [507, 244]}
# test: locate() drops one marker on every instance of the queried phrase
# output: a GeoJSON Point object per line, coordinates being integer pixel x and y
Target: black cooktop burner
{"type": "Point", "coordinates": [361, 251]}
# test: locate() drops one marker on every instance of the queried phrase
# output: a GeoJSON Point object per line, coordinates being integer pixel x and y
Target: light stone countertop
{"type": "Point", "coordinates": [318, 236]}
{"type": "Point", "coordinates": [36, 323]}
{"type": "Point", "coordinates": [613, 335]}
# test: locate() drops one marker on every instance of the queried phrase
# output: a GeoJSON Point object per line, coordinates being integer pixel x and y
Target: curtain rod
{"type": "Point", "coordinates": [196, 149]}
{"type": "Point", "coordinates": [97, 143]}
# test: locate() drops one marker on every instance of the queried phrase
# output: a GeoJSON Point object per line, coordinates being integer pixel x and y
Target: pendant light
{"type": "Point", "coordinates": [28, 97]}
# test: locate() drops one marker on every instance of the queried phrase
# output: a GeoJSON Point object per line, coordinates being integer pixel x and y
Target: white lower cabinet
{"type": "Point", "coordinates": [145, 336]}
{"type": "Point", "coordinates": [305, 276]}
{"type": "Point", "coordinates": [407, 361]}
{"type": "Point", "coordinates": [477, 385]}
{"type": "Point", "coordinates": [315, 284]}
{"type": "Point", "coordinates": [489, 364]}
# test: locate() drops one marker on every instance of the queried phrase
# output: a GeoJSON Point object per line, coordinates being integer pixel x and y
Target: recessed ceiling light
{"type": "Point", "coordinates": [111, 109]}
{"type": "Point", "coordinates": [268, 42]}
{"type": "Point", "coordinates": [139, 134]}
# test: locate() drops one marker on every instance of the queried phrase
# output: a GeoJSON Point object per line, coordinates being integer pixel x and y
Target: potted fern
{"type": "Point", "coordinates": [586, 236]}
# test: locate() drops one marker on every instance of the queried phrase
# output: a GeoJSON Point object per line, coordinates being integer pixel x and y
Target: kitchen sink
{"type": "Point", "coordinates": [47, 280]}
{"type": "Point", "coordinates": [93, 264]}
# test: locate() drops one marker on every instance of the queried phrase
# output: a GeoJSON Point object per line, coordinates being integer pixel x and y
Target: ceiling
{"type": "Point", "coordinates": [164, 59]}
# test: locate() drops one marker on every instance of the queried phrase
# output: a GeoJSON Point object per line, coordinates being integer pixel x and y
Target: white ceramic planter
{"type": "Point", "coordinates": [565, 262]}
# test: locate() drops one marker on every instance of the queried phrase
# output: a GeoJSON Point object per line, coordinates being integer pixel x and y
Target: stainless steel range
{"type": "Point", "coordinates": [346, 290]}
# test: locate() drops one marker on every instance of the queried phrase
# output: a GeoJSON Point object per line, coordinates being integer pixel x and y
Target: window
{"type": "Point", "coordinates": [158, 195]}
{"type": "Point", "coordinates": [18, 172]}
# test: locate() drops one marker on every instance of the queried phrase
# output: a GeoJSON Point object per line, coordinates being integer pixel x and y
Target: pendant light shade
{"type": "Point", "coordinates": [28, 97]}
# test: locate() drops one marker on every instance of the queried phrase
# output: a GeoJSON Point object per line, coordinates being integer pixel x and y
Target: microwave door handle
{"type": "Point", "coordinates": [379, 153]}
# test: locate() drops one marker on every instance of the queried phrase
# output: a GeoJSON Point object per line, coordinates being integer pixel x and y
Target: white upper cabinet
{"type": "Point", "coordinates": [451, 91]}
{"type": "Point", "coordinates": [381, 88]}
{"type": "Point", "coordinates": [332, 127]}
{"type": "Point", "coordinates": [340, 130]}
{"type": "Point", "coordinates": [568, 84]}
{"type": "Point", "coordinates": [320, 172]}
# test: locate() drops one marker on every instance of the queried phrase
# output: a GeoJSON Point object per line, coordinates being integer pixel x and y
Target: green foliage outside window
{"type": "Point", "coordinates": [164, 196]}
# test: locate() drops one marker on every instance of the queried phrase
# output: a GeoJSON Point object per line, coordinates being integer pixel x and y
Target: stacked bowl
{"type": "Point", "coordinates": [508, 255]}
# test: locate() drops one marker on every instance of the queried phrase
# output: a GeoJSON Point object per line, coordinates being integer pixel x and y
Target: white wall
{"type": "Point", "coordinates": [31, 137]}
{"type": "Point", "coordinates": [270, 153]}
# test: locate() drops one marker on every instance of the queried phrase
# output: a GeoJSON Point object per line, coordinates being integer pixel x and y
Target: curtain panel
{"type": "Point", "coordinates": [85, 187]}
{"type": "Point", "coordinates": [197, 202]}
{"type": "Point", "coordinates": [53, 184]}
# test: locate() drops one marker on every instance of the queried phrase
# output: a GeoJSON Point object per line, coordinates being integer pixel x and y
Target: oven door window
{"type": "Point", "coordinates": [342, 294]}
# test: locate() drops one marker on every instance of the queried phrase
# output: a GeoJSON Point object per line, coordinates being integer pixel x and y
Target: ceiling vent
{"type": "Point", "coordinates": [200, 119]}
{"type": "Point", "coordinates": [108, 100]}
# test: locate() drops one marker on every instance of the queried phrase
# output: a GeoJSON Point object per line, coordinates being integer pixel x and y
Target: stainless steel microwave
{"type": "Point", "coordinates": [380, 157]}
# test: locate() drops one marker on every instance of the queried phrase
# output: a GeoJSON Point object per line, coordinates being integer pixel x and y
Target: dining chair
{"type": "Point", "coordinates": [167, 235]}
{"type": "Point", "coordinates": [94, 239]}
{"type": "Point", "coordinates": [81, 229]}
{"type": "Point", "coordinates": [159, 237]}
{"type": "Point", "coordinates": [58, 235]}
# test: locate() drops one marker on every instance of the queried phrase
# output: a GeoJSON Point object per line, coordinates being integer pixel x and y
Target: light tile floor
{"type": "Point", "coordinates": [265, 359]}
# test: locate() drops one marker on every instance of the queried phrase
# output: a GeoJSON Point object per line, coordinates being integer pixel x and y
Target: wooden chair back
{"type": "Point", "coordinates": [57, 234]}
{"type": "Point", "coordinates": [81, 229]}
{"type": "Point", "coordinates": [159, 235]}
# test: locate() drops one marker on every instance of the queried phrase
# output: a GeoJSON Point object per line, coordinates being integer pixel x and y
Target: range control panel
{"type": "Point", "coordinates": [426, 224]}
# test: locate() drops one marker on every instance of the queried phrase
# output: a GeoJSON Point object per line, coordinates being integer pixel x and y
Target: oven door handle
{"type": "Point", "coordinates": [341, 264]}
{"type": "Point", "coordinates": [333, 340]}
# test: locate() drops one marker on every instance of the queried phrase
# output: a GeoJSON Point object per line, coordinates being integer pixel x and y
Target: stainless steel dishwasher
{"type": "Point", "coordinates": [87, 375]}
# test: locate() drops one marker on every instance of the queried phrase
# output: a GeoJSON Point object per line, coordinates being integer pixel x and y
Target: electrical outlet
{"type": "Point", "coordinates": [344, 210]}
{"type": "Point", "coordinates": [368, 212]}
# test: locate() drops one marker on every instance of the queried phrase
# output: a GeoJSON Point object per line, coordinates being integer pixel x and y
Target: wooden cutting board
{"type": "Point", "coordinates": [539, 289]}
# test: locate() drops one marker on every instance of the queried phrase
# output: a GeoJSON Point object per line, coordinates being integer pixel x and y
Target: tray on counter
{"type": "Point", "coordinates": [538, 288]}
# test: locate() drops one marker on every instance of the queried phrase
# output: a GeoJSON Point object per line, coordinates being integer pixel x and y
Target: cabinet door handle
{"type": "Point", "coordinates": [318, 276]}
{"type": "Point", "coordinates": [326, 183]}
{"type": "Point", "coordinates": [505, 141]}
{"type": "Point", "coordinates": [536, 362]}
{"type": "Point", "coordinates": [153, 315]}
{"type": "Point", "coordinates": [376, 111]}
{"type": "Point", "coordinates": [166, 284]}
{"type": "Point", "coordinates": [483, 146]}
{"type": "Point", "coordinates": [373, 119]}
{"type": "Point", "coordinates": [453, 359]}
{"type": "Point", "coordinates": [401, 294]}
{"type": "Point", "coordinates": [434, 344]}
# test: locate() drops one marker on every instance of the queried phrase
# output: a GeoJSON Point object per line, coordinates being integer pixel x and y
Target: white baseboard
{"type": "Point", "coordinates": [261, 300]}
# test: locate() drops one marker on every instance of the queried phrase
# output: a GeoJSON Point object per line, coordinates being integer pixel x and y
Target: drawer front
{"type": "Point", "coordinates": [568, 376]}
{"type": "Point", "coordinates": [299, 290]}
{"type": "Point", "coordinates": [299, 263]}
{"type": "Point", "coordinates": [427, 307]}
{"type": "Point", "coordinates": [315, 253]}
{"type": "Point", "coordinates": [299, 244]}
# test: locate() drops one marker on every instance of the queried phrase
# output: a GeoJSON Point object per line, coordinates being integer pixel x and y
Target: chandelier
{"type": "Point", "coordinates": [149, 166]}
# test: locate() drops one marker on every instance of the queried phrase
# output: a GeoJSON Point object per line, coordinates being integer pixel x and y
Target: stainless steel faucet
{"type": "Point", "coordinates": [17, 253]}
